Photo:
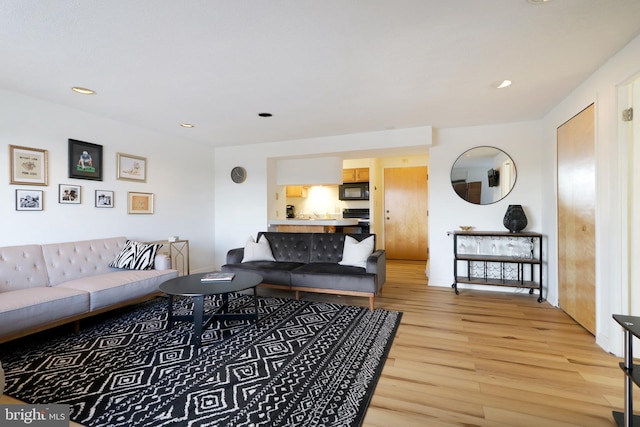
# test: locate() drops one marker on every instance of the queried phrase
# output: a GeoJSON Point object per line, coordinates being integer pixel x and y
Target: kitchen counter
{"type": "Point", "coordinates": [348, 222]}
{"type": "Point", "coordinates": [320, 225]}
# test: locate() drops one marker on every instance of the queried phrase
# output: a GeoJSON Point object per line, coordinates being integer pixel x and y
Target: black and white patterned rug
{"type": "Point", "coordinates": [305, 364]}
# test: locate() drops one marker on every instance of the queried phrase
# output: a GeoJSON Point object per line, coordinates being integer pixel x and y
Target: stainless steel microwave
{"type": "Point", "coordinates": [355, 191]}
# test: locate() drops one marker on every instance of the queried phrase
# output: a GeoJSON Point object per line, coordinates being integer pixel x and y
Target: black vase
{"type": "Point", "coordinates": [515, 220]}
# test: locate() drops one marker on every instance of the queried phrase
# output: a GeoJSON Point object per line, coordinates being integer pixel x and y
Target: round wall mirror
{"type": "Point", "coordinates": [483, 175]}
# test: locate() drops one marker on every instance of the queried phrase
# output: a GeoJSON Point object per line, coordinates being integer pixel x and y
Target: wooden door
{"type": "Point", "coordinates": [405, 213]}
{"type": "Point", "coordinates": [576, 218]}
{"type": "Point", "coordinates": [474, 192]}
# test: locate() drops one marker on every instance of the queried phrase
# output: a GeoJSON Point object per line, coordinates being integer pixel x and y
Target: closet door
{"type": "Point", "coordinates": [576, 218]}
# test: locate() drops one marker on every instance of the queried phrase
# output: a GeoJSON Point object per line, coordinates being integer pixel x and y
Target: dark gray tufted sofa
{"type": "Point", "coordinates": [308, 262]}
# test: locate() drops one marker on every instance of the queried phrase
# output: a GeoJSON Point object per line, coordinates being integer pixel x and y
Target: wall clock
{"type": "Point", "coordinates": [238, 174]}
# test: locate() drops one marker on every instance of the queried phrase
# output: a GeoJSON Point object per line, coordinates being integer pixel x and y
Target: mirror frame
{"type": "Point", "coordinates": [480, 161]}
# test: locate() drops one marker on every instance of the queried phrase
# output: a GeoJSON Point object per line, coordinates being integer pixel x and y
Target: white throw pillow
{"type": "Point", "coordinates": [356, 253]}
{"type": "Point", "coordinates": [260, 251]}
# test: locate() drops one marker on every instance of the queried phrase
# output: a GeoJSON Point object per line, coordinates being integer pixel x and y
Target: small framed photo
{"type": "Point", "coordinates": [29, 166]}
{"type": "Point", "coordinates": [140, 203]}
{"type": "Point", "coordinates": [29, 200]}
{"type": "Point", "coordinates": [85, 160]}
{"type": "Point", "coordinates": [69, 194]}
{"type": "Point", "coordinates": [131, 168]}
{"type": "Point", "coordinates": [104, 199]}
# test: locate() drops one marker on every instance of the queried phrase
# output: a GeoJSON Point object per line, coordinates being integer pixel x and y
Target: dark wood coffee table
{"type": "Point", "coordinates": [191, 286]}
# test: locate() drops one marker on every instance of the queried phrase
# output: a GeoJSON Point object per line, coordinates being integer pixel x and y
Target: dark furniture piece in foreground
{"type": "Point", "coordinates": [191, 286]}
{"type": "Point", "coordinates": [308, 262]}
{"type": "Point", "coordinates": [631, 326]}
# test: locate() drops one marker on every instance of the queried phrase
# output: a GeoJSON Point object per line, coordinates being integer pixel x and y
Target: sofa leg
{"type": "Point", "coordinates": [372, 304]}
{"type": "Point", "coordinates": [297, 295]}
{"type": "Point", "coordinates": [76, 326]}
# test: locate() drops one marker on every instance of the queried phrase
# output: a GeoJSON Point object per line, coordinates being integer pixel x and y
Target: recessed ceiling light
{"type": "Point", "coordinates": [186, 125]}
{"type": "Point", "coordinates": [265, 114]}
{"type": "Point", "coordinates": [83, 90]}
{"type": "Point", "coordinates": [537, 1]}
{"type": "Point", "coordinates": [505, 83]}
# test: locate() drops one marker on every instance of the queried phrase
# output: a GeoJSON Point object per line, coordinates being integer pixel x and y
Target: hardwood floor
{"type": "Point", "coordinates": [485, 359]}
{"type": "Point", "coordinates": [488, 359]}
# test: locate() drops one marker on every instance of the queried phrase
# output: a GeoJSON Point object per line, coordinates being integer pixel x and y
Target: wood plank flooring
{"type": "Point", "coordinates": [488, 359]}
{"type": "Point", "coordinates": [484, 359]}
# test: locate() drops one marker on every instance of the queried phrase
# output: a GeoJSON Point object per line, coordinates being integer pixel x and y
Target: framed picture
{"type": "Point", "coordinates": [29, 200]}
{"type": "Point", "coordinates": [69, 194]}
{"type": "Point", "coordinates": [131, 168]}
{"type": "Point", "coordinates": [85, 160]}
{"type": "Point", "coordinates": [29, 166]}
{"type": "Point", "coordinates": [140, 203]}
{"type": "Point", "coordinates": [104, 199]}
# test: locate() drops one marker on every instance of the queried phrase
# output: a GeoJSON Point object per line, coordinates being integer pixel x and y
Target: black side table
{"type": "Point", "coordinates": [631, 326]}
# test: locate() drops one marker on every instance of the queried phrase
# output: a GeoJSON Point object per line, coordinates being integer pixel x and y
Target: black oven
{"type": "Point", "coordinates": [362, 215]}
{"type": "Point", "coordinates": [354, 191]}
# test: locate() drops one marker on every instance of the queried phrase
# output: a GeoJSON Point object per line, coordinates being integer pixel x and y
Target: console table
{"type": "Point", "coordinates": [631, 326]}
{"type": "Point", "coordinates": [498, 259]}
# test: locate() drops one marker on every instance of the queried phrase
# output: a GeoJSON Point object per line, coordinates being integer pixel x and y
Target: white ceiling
{"type": "Point", "coordinates": [322, 67]}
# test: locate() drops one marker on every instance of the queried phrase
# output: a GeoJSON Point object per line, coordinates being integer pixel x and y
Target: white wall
{"type": "Point", "coordinates": [521, 141]}
{"type": "Point", "coordinates": [179, 174]}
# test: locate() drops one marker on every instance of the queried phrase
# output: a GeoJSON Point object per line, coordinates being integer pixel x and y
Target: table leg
{"type": "Point", "coordinates": [198, 314]}
{"type": "Point", "coordinates": [225, 303]}
{"type": "Point", "coordinates": [628, 381]}
{"type": "Point", "coordinates": [255, 304]}
{"type": "Point", "coordinates": [170, 312]}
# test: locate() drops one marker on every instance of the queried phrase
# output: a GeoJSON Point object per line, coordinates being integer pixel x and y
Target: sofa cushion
{"type": "Point", "coordinates": [257, 251]}
{"type": "Point", "coordinates": [328, 247]}
{"type": "Point", "coordinates": [356, 253]}
{"type": "Point", "coordinates": [136, 256]}
{"type": "Point", "coordinates": [27, 308]}
{"type": "Point", "coordinates": [72, 260]}
{"type": "Point", "coordinates": [333, 276]}
{"type": "Point", "coordinates": [115, 287]}
{"type": "Point", "coordinates": [289, 247]}
{"type": "Point", "coordinates": [22, 267]}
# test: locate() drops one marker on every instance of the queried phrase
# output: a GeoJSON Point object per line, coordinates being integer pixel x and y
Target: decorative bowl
{"type": "Point", "coordinates": [466, 227]}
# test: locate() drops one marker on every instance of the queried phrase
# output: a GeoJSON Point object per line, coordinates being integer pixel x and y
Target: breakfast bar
{"type": "Point", "coordinates": [312, 225]}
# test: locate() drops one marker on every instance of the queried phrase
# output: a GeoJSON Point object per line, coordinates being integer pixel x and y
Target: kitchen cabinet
{"type": "Point", "coordinates": [296, 191]}
{"type": "Point", "coordinates": [355, 175]}
{"type": "Point", "coordinates": [306, 228]}
{"type": "Point", "coordinates": [498, 258]}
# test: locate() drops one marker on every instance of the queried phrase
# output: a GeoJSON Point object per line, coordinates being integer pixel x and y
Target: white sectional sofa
{"type": "Point", "coordinates": [42, 286]}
